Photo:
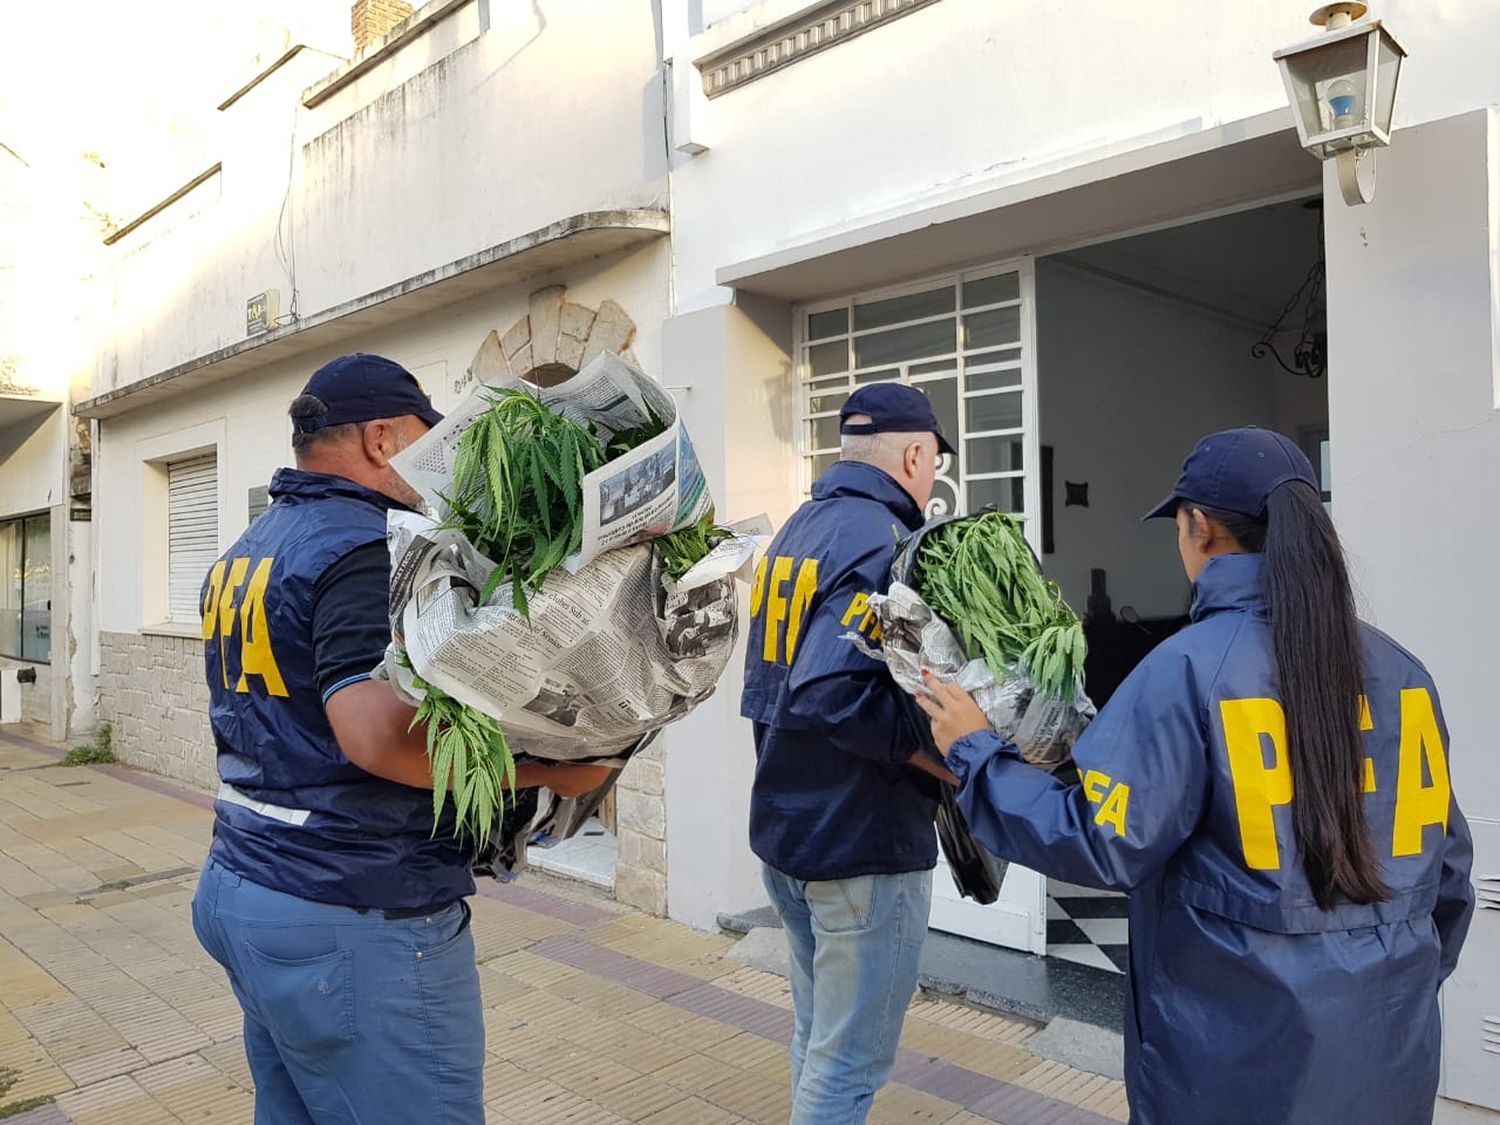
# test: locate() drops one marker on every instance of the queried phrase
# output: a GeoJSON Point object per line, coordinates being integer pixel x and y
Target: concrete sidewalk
{"type": "Point", "coordinates": [110, 1013]}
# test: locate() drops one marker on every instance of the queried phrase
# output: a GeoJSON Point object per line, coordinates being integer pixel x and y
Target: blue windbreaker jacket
{"type": "Point", "coordinates": [293, 813]}
{"type": "Point", "coordinates": [832, 797]}
{"type": "Point", "coordinates": [1247, 1003]}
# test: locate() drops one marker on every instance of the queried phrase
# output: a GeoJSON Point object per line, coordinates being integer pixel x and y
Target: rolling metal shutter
{"type": "Point", "coordinates": [192, 533]}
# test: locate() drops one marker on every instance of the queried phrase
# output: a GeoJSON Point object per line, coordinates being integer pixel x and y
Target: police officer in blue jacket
{"type": "Point", "coordinates": [1272, 787]}
{"type": "Point", "coordinates": [330, 898]}
{"type": "Point", "coordinates": [841, 819]}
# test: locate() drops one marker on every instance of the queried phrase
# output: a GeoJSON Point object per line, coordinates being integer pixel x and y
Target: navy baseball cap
{"type": "Point", "coordinates": [361, 388]}
{"type": "Point", "coordinates": [893, 409]}
{"type": "Point", "coordinates": [1236, 471]}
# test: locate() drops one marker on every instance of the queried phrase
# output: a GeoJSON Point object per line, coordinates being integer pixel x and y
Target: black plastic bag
{"type": "Point", "coordinates": [976, 873]}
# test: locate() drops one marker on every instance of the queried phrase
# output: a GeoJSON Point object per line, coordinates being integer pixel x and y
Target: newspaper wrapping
{"type": "Point", "coordinates": [610, 652]}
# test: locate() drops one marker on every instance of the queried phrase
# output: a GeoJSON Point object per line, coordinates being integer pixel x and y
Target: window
{"type": "Point", "coordinates": [259, 501]}
{"type": "Point", "coordinates": [1316, 445]}
{"type": "Point", "coordinates": [192, 533]}
{"type": "Point", "coordinates": [962, 340]}
{"type": "Point", "coordinates": [26, 599]}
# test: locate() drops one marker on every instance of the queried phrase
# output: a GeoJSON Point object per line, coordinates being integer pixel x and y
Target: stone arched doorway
{"type": "Point", "coordinates": [554, 340]}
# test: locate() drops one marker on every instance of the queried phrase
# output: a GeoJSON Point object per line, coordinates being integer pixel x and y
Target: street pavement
{"type": "Point", "coordinates": [110, 1013]}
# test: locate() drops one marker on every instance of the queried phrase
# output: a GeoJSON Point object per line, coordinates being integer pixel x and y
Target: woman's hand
{"type": "Point", "coordinates": [952, 710]}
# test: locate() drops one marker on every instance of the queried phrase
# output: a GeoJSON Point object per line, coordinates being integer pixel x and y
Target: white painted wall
{"type": "Point", "coordinates": [49, 241]}
{"type": "Point", "coordinates": [31, 460]}
{"type": "Point", "coordinates": [966, 93]}
{"type": "Point", "coordinates": [1129, 382]}
{"type": "Point", "coordinates": [716, 10]}
{"type": "Point", "coordinates": [740, 415]}
{"type": "Point", "coordinates": [248, 415]}
{"type": "Point", "coordinates": [1412, 321]}
{"type": "Point", "coordinates": [81, 690]}
{"type": "Point", "coordinates": [464, 141]}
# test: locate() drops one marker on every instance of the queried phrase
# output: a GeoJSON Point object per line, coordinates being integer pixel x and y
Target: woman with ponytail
{"type": "Point", "coordinates": [1272, 787]}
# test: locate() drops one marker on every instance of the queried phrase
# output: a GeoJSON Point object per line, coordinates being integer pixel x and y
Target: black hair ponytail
{"type": "Point", "coordinates": [1319, 666]}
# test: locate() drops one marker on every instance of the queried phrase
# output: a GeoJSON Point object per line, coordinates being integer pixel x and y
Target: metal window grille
{"type": "Point", "coordinates": [967, 340]}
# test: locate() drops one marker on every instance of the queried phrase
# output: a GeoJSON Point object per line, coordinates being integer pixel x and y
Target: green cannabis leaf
{"type": "Point", "coordinates": [979, 575]}
{"type": "Point", "coordinates": [682, 550]}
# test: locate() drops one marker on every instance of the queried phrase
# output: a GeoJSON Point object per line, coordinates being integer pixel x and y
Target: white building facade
{"type": "Point", "coordinates": [1069, 222]}
{"type": "Point", "coordinates": [48, 242]}
{"type": "Point", "coordinates": [407, 200]}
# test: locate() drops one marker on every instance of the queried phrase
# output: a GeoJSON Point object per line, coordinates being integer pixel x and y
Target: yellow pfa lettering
{"type": "Point", "coordinates": [1258, 787]}
{"type": "Point", "coordinates": [237, 571]}
{"type": "Point", "coordinates": [1423, 788]}
{"type": "Point", "coordinates": [1367, 723]}
{"type": "Point", "coordinates": [1113, 800]}
{"type": "Point", "coordinates": [226, 618]}
{"type": "Point", "coordinates": [256, 656]}
{"type": "Point", "coordinates": [802, 595]}
{"type": "Point", "coordinates": [860, 608]}
{"type": "Point", "coordinates": [776, 606]}
{"type": "Point", "coordinates": [859, 605]}
{"type": "Point", "coordinates": [787, 611]}
{"type": "Point", "coordinates": [1112, 811]}
{"type": "Point", "coordinates": [1421, 752]}
{"type": "Point", "coordinates": [211, 600]}
{"type": "Point", "coordinates": [758, 591]}
{"type": "Point", "coordinates": [768, 593]}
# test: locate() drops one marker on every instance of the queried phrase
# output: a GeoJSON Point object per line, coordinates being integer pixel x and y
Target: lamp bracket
{"type": "Point", "coordinates": [1356, 171]}
{"type": "Point", "coordinates": [1330, 13]}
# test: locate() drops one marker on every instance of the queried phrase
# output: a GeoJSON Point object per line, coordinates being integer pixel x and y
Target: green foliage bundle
{"type": "Point", "coordinates": [979, 575]}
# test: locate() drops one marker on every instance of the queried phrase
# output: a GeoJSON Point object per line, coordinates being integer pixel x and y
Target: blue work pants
{"type": "Point", "coordinates": [854, 945]}
{"type": "Point", "coordinates": [351, 1018]}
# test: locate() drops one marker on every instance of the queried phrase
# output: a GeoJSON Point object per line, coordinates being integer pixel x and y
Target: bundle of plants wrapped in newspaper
{"type": "Point", "coordinates": [968, 602]}
{"type": "Point", "coordinates": [573, 593]}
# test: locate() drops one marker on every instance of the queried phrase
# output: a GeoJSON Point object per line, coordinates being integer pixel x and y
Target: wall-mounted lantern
{"type": "Point", "coordinates": [1342, 86]}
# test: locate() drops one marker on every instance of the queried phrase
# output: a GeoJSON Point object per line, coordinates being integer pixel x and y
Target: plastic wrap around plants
{"type": "Point", "coordinates": [1043, 726]}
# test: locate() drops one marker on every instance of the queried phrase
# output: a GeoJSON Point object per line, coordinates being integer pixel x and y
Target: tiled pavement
{"type": "Point", "coordinates": [110, 1014]}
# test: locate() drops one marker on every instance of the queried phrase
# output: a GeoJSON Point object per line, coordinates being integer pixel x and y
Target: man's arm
{"type": "Point", "coordinates": [835, 689]}
{"type": "Point", "coordinates": [373, 728]}
{"type": "Point", "coordinates": [371, 723]}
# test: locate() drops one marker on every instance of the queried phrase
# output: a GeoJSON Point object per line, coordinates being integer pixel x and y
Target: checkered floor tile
{"type": "Point", "coordinates": [1087, 926]}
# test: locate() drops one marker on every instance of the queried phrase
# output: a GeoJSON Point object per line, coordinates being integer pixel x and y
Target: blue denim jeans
{"type": "Point", "coordinates": [854, 945]}
{"type": "Point", "coordinates": [349, 1017]}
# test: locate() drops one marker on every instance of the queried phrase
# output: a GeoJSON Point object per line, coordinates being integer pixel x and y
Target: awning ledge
{"type": "Point", "coordinates": [577, 239]}
{"type": "Point", "coordinates": [1125, 188]}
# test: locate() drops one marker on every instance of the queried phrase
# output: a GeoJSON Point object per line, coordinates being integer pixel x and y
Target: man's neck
{"type": "Point", "coordinates": [341, 467]}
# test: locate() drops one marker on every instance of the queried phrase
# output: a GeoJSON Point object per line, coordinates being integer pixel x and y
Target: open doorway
{"type": "Point", "coordinates": [590, 856]}
{"type": "Point", "coordinates": [1073, 386]}
{"type": "Point", "coordinates": [1144, 345]}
